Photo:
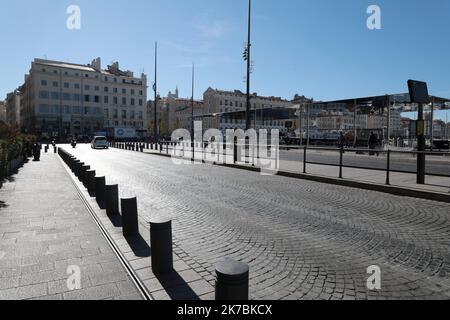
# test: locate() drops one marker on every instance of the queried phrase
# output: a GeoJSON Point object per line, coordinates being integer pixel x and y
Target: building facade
{"type": "Point", "coordinates": [2, 112]}
{"type": "Point", "coordinates": [173, 113]}
{"type": "Point", "coordinates": [12, 108]}
{"type": "Point", "coordinates": [218, 103]}
{"type": "Point", "coordinates": [65, 99]}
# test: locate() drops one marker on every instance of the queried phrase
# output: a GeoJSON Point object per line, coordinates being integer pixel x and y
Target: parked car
{"type": "Point", "coordinates": [99, 143]}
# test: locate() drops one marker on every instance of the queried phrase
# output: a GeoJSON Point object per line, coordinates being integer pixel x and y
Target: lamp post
{"type": "Point", "coordinates": [247, 57]}
{"type": "Point", "coordinates": [192, 114]}
{"type": "Point", "coordinates": [156, 95]}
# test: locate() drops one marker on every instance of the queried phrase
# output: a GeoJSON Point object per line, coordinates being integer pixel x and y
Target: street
{"type": "Point", "coordinates": [302, 239]}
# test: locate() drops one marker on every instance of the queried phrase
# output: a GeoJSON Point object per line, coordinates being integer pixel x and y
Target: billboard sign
{"type": "Point", "coordinates": [418, 92]}
{"type": "Point", "coordinates": [124, 133]}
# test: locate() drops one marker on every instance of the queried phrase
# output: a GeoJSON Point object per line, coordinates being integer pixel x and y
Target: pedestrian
{"type": "Point", "coordinates": [373, 141]}
{"type": "Point", "coordinates": [341, 142]}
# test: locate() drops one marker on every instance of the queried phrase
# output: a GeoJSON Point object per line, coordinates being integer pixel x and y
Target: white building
{"type": "Point", "coordinates": [2, 112]}
{"type": "Point", "coordinates": [65, 99]}
{"type": "Point", "coordinates": [222, 102]}
{"type": "Point", "coordinates": [12, 109]}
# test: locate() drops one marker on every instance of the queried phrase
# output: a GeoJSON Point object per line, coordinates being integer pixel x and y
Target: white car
{"type": "Point", "coordinates": [99, 143]}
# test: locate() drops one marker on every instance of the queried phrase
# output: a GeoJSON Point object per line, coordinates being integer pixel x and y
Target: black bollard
{"type": "Point", "coordinates": [130, 226]}
{"type": "Point", "coordinates": [112, 200]}
{"type": "Point", "coordinates": [232, 280]}
{"type": "Point", "coordinates": [161, 244]}
{"type": "Point", "coordinates": [100, 183]}
{"type": "Point", "coordinates": [90, 178]}
{"type": "Point", "coordinates": [83, 173]}
{"type": "Point", "coordinates": [78, 168]}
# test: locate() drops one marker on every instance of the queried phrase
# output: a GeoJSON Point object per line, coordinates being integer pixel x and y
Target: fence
{"type": "Point", "coordinates": [297, 159]}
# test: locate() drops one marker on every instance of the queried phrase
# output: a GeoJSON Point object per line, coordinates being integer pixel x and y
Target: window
{"type": "Point", "coordinates": [76, 110]}
{"type": "Point", "coordinates": [55, 84]}
{"type": "Point", "coordinates": [43, 108]}
{"type": "Point", "coordinates": [44, 83]}
{"type": "Point", "coordinates": [56, 109]}
{"type": "Point", "coordinates": [132, 91]}
{"type": "Point", "coordinates": [87, 87]}
{"type": "Point", "coordinates": [77, 86]}
{"type": "Point", "coordinates": [106, 113]}
{"type": "Point", "coordinates": [141, 115]}
{"type": "Point", "coordinates": [44, 70]}
{"type": "Point", "coordinates": [86, 75]}
{"type": "Point", "coordinates": [97, 99]}
{"type": "Point", "coordinates": [115, 100]}
{"type": "Point", "coordinates": [66, 85]}
{"type": "Point", "coordinates": [115, 90]}
{"type": "Point", "coordinates": [106, 79]}
{"type": "Point", "coordinates": [115, 114]}
{"type": "Point", "coordinates": [141, 102]}
{"type": "Point", "coordinates": [43, 94]}
{"type": "Point", "coordinates": [115, 79]}
{"type": "Point", "coordinates": [76, 97]}
{"type": "Point", "coordinates": [97, 88]}
{"type": "Point", "coordinates": [105, 99]}
{"type": "Point", "coordinates": [132, 101]}
{"type": "Point", "coordinates": [67, 109]}
{"type": "Point", "coordinates": [124, 100]}
{"type": "Point", "coordinates": [55, 71]}
{"type": "Point", "coordinates": [66, 96]}
{"type": "Point", "coordinates": [132, 114]}
{"type": "Point", "coordinates": [86, 98]}
{"type": "Point", "coordinates": [66, 73]}
{"type": "Point", "coordinates": [141, 92]}
{"type": "Point", "coordinates": [124, 114]}
{"type": "Point", "coordinates": [106, 89]}
{"type": "Point", "coordinates": [87, 110]}
{"type": "Point", "coordinates": [124, 91]}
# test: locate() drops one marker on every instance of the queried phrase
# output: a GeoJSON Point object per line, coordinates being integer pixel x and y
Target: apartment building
{"type": "Point", "coordinates": [65, 99]}
{"type": "Point", "coordinates": [2, 112]}
{"type": "Point", "coordinates": [12, 108]}
{"type": "Point", "coordinates": [218, 102]}
{"type": "Point", "coordinates": [173, 113]}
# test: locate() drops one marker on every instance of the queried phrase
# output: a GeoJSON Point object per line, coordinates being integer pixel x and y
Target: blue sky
{"type": "Point", "coordinates": [319, 48]}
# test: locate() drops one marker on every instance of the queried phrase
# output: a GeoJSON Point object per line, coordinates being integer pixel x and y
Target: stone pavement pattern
{"type": "Point", "coordinates": [44, 228]}
{"type": "Point", "coordinates": [302, 239]}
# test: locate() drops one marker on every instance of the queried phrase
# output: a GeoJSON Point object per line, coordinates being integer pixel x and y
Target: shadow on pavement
{"type": "Point", "coordinates": [116, 220]}
{"type": "Point", "coordinates": [176, 287]}
{"type": "Point", "coordinates": [139, 246]}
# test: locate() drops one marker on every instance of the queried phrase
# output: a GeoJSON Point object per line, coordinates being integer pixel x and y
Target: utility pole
{"type": "Point", "coordinates": [247, 57]}
{"type": "Point", "coordinates": [156, 95]}
{"type": "Point", "coordinates": [192, 114]}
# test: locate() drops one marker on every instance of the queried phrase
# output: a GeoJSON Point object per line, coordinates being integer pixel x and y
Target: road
{"type": "Point", "coordinates": [302, 239]}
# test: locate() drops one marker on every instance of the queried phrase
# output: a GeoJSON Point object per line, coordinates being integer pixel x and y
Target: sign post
{"type": "Point", "coordinates": [418, 92]}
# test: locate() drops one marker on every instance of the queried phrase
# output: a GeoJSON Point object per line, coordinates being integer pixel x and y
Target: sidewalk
{"type": "Point", "coordinates": [44, 229]}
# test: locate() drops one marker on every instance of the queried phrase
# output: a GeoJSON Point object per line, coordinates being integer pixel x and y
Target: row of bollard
{"type": "Point", "coordinates": [232, 277]}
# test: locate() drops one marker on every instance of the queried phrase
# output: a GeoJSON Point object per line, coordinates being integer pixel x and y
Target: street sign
{"type": "Point", "coordinates": [418, 92]}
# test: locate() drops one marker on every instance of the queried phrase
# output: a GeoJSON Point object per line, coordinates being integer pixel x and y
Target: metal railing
{"type": "Point", "coordinates": [382, 160]}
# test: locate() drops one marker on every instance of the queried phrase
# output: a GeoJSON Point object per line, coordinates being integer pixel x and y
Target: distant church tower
{"type": "Point", "coordinates": [173, 95]}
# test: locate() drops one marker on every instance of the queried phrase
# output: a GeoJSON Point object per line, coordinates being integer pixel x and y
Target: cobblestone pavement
{"type": "Point", "coordinates": [44, 229]}
{"type": "Point", "coordinates": [302, 240]}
